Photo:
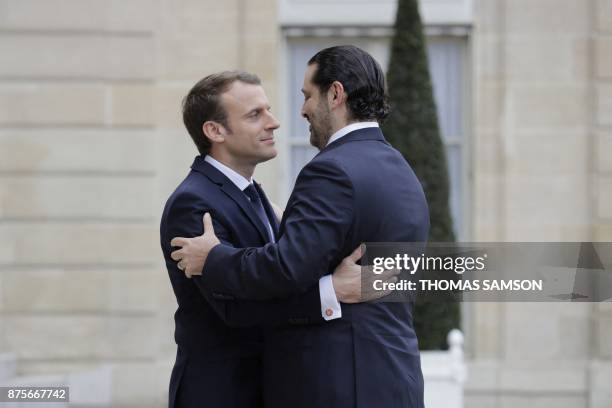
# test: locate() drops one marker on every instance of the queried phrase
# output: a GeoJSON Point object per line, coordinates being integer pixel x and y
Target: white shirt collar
{"type": "Point", "coordinates": [235, 177]}
{"type": "Point", "coordinates": [350, 128]}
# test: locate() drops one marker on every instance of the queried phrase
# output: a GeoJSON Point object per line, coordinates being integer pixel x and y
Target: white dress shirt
{"type": "Point", "coordinates": [240, 181]}
{"type": "Point", "coordinates": [330, 307]}
{"type": "Point", "coordinates": [351, 128]}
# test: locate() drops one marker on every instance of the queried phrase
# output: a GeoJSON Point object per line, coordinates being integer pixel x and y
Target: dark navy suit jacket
{"type": "Point", "coordinates": [219, 360]}
{"type": "Point", "coordinates": [358, 189]}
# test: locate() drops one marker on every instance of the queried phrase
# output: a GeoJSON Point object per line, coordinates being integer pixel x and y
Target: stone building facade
{"type": "Point", "coordinates": [91, 144]}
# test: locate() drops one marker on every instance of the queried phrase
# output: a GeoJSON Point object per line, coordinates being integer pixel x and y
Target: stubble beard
{"type": "Point", "coordinates": [320, 127]}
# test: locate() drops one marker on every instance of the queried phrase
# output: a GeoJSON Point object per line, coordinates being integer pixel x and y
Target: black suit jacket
{"type": "Point", "coordinates": [219, 352]}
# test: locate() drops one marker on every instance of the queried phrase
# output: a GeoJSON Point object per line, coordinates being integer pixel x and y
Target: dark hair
{"type": "Point", "coordinates": [360, 75]}
{"type": "Point", "coordinates": [203, 103]}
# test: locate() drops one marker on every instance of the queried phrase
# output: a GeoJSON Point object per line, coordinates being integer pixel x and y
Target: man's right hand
{"type": "Point", "coordinates": [347, 280]}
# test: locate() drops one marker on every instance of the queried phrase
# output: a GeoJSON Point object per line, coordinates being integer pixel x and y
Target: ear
{"type": "Point", "coordinates": [214, 131]}
{"type": "Point", "coordinates": [336, 95]}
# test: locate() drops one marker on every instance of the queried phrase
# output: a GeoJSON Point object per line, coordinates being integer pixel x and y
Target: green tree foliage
{"type": "Point", "coordinates": [412, 128]}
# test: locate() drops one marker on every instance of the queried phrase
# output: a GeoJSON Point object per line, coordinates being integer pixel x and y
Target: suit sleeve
{"type": "Point", "coordinates": [186, 221]}
{"type": "Point", "coordinates": [317, 221]}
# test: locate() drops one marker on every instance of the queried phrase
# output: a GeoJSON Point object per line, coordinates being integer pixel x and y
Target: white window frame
{"type": "Point", "coordinates": [368, 12]}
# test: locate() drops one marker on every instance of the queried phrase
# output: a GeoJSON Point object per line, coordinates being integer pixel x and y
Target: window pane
{"type": "Point", "coordinates": [299, 54]}
{"type": "Point", "coordinates": [455, 177]}
{"type": "Point", "coordinates": [445, 66]}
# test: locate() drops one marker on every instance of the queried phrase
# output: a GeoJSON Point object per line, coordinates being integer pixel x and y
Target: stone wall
{"type": "Point", "coordinates": [91, 145]}
{"type": "Point", "coordinates": [541, 73]}
{"type": "Point", "coordinates": [601, 369]}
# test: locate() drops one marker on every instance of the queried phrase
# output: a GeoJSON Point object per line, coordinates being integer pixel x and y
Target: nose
{"type": "Point", "coordinates": [303, 112]}
{"type": "Point", "coordinates": [273, 123]}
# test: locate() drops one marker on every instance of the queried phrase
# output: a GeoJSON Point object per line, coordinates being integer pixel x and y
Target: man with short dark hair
{"type": "Point", "coordinates": [219, 359]}
{"type": "Point", "coordinates": [357, 189]}
{"type": "Point", "coordinates": [203, 104]}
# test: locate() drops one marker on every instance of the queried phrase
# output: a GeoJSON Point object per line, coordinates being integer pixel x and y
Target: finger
{"type": "Point", "coordinates": [178, 242]}
{"type": "Point", "coordinates": [208, 225]}
{"type": "Point", "coordinates": [374, 295]}
{"type": "Point", "coordinates": [177, 255]}
{"type": "Point", "coordinates": [180, 266]}
{"type": "Point", "coordinates": [355, 255]}
{"type": "Point", "coordinates": [384, 280]}
{"type": "Point", "coordinates": [388, 273]}
{"type": "Point", "coordinates": [368, 271]}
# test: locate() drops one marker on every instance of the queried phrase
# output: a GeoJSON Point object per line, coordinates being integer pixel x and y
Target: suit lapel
{"type": "Point", "coordinates": [230, 189]}
{"type": "Point", "coordinates": [240, 198]}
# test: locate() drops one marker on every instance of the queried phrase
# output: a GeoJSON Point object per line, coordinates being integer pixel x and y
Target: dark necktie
{"type": "Point", "coordinates": [253, 195]}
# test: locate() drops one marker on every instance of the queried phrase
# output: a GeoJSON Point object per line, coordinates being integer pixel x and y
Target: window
{"type": "Point", "coordinates": [447, 60]}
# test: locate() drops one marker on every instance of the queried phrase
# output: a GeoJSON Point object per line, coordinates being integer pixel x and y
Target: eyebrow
{"type": "Point", "coordinates": [258, 109]}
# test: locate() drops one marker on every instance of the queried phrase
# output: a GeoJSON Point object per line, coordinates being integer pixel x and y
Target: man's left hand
{"type": "Point", "coordinates": [193, 252]}
{"type": "Point", "coordinates": [354, 283]}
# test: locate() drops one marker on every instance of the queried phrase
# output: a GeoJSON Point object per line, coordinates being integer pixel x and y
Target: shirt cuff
{"type": "Point", "coordinates": [330, 307]}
